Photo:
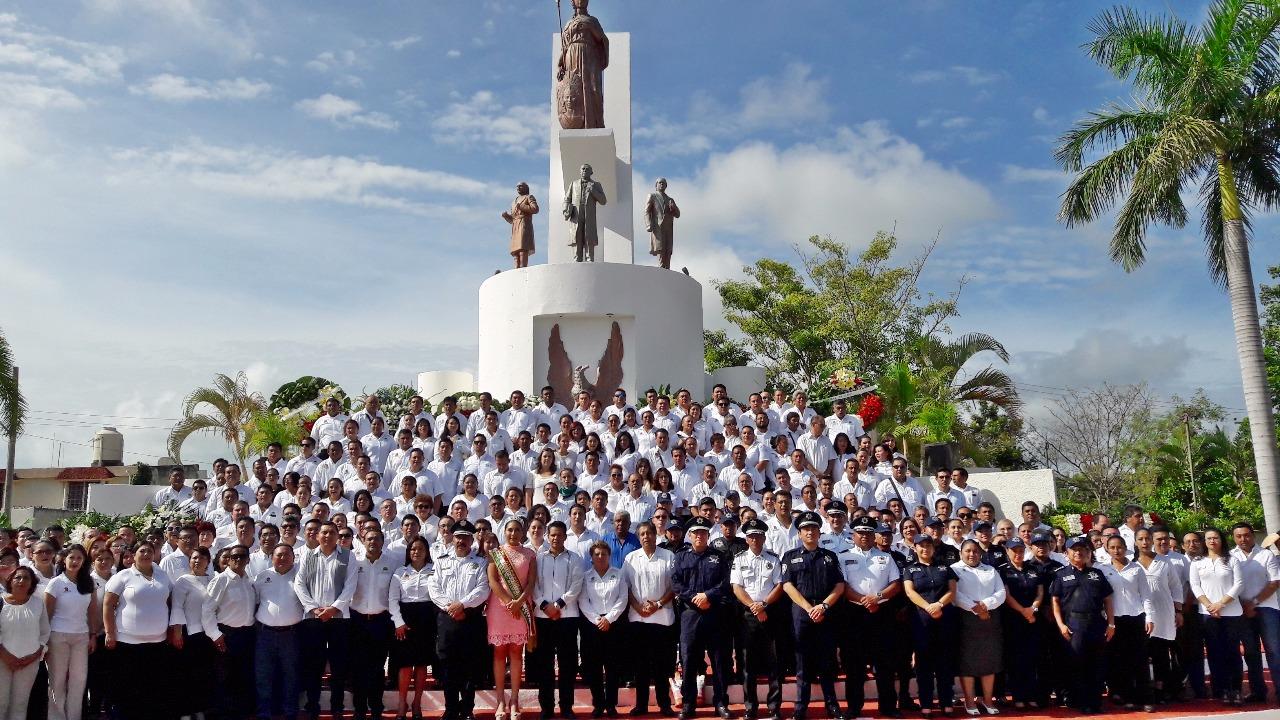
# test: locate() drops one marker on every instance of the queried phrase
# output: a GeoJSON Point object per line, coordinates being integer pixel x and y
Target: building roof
{"type": "Point", "coordinates": [86, 473]}
{"type": "Point", "coordinates": [74, 474]}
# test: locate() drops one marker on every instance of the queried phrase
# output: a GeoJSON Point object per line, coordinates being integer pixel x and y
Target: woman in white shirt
{"type": "Point", "coordinates": [334, 499]}
{"type": "Point", "coordinates": [1127, 650]}
{"type": "Point", "coordinates": [186, 633]}
{"type": "Point", "coordinates": [24, 635]}
{"type": "Point", "coordinates": [136, 614]}
{"type": "Point", "coordinates": [624, 453]}
{"type": "Point", "coordinates": [71, 607]}
{"type": "Point", "coordinates": [979, 591]}
{"type": "Point", "coordinates": [601, 603]}
{"type": "Point", "coordinates": [471, 496]}
{"type": "Point", "coordinates": [414, 617]}
{"type": "Point", "coordinates": [1216, 582]}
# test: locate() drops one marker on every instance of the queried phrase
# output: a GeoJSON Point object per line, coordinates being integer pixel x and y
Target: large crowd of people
{"type": "Point", "coordinates": [667, 549]}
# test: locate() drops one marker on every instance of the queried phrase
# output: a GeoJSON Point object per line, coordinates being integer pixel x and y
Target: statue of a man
{"type": "Point", "coordinates": [660, 213]}
{"type": "Point", "coordinates": [520, 216]}
{"type": "Point", "coordinates": [584, 54]}
{"type": "Point", "coordinates": [580, 201]}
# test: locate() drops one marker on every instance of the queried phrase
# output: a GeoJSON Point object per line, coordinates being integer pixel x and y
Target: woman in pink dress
{"type": "Point", "coordinates": [513, 572]}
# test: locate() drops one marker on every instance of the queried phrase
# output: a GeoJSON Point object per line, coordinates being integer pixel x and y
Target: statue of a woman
{"type": "Point", "coordinates": [584, 54]}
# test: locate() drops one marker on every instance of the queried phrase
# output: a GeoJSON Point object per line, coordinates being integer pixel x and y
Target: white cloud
{"type": "Point", "coordinates": [1114, 356]}
{"type": "Point", "coordinates": [482, 121]}
{"type": "Point", "coordinates": [176, 88]}
{"type": "Point", "coordinates": [55, 57]}
{"type": "Point", "coordinates": [344, 112]}
{"type": "Point", "coordinates": [1042, 116]}
{"type": "Point", "coordinates": [329, 60]}
{"type": "Point", "coordinates": [269, 174]}
{"type": "Point", "coordinates": [965, 73]}
{"type": "Point", "coordinates": [1019, 174]}
{"type": "Point", "coordinates": [27, 92]}
{"type": "Point", "coordinates": [778, 101]}
{"type": "Point", "coordinates": [453, 54]}
{"type": "Point", "coordinates": [181, 23]}
{"type": "Point", "coordinates": [403, 43]}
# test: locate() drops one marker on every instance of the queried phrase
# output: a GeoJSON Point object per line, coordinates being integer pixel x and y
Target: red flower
{"type": "Point", "coordinates": [870, 410]}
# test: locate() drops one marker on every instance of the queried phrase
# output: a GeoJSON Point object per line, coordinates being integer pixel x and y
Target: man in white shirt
{"type": "Point", "coordinates": [519, 418]}
{"type": "Point", "coordinates": [756, 406]}
{"type": "Point", "coordinates": [505, 476]}
{"type": "Point", "coordinates": [397, 459]}
{"type": "Point", "coordinates": [593, 477]}
{"type": "Point", "coordinates": [663, 417]}
{"type": "Point", "coordinates": [900, 485]}
{"type": "Point", "coordinates": [599, 517]}
{"type": "Point", "coordinates": [378, 445]}
{"type": "Point", "coordinates": [648, 575]}
{"type": "Point", "coordinates": [710, 487]}
{"type": "Point", "coordinates": [960, 483]}
{"type": "Point", "coordinates": [549, 411]}
{"type": "Point", "coordinates": [660, 454]}
{"type": "Point", "coordinates": [683, 476]}
{"type": "Point", "coordinates": [448, 471]}
{"type": "Point", "coordinates": [263, 509]}
{"type": "Point", "coordinates": [820, 454]}
{"type": "Point", "coordinates": [325, 583]}
{"type": "Point", "coordinates": [279, 616]}
{"type": "Point", "coordinates": [366, 415]}
{"type": "Point", "coordinates": [843, 422]}
{"type": "Point", "coordinates": [175, 493]}
{"type": "Point", "coordinates": [371, 628]}
{"type": "Point", "coordinates": [618, 407]}
{"type": "Point", "coordinates": [306, 462]}
{"type": "Point", "coordinates": [329, 467]}
{"type": "Point", "coordinates": [1260, 569]}
{"type": "Point", "coordinates": [579, 537]}
{"type": "Point", "coordinates": [728, 477]}
{"type": "Point", "coordinates": [555, 602]}
{"type": "Point", "coordinates": [227, 618]}
{"type": "Point", "coordinates": [328, 427]}
{"type": "Point", "coordinates": [476, 420]}
{"type": "Point", "coordinates": [416, 412]}
{"type": "Point", "coordinates": [480, 462]}
{"type": "Point", "coordinates": [637, 503]}
{"type": "Point", "coordinates": [942, 482]}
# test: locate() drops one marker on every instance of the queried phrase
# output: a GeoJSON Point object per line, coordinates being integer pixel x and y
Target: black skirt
{"type": "Point", "coordinates": [418, 648]}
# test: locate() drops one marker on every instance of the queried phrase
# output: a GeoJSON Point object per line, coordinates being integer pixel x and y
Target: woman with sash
{"type": "Point", "coordinates": [512, 577]}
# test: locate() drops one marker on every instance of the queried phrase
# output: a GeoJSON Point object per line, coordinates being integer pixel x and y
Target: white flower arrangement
{"type": "Point", "coordinates": [78, 534]}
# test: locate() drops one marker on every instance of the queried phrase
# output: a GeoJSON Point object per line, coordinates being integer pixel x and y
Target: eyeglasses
{"type": "Point", "coordinates": [346, 536]}
{"type": "Point", "coordinates": [237, 556]}
{"type": "Point", "coordinates": [899, 467]}
{"type": "Point", "coordinates": [422, 506]}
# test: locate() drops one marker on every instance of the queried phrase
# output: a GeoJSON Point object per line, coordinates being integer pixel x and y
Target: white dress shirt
{"type": "Point", "coordinates": [278, 604]}
{"type": "Point", "coordinates": [326, 429]}
{"type": "Point", "coordinates": [649, 578]}
{"type": "Point", "coordinates": [981, 584]}
{"type": "Point", "coordinates": [1165, 589]}
{"type": "Point", "coordinates": [559, 582]}
{"type": "Point", "coordinates": [407, 586]}
{"type": "Point", "coordinates": [379, 449]}
{"type": "Point", "coordinates": [1215, 579]}
{"type": "Point", "coordinates": [459, 579]}
{"type": "Point", "coordinates": [142, 611]}
{"type": "Point", "coordinates": [319, 588]}
{"type": "Point", "coordinates": [167, 494]}
{"type": "Point", "coordinates": [756, 574]}
{"type": "Point", "coordinates": [373, 584]}
{"type": "Point", "coordinates": [603, 596]}
{"type": "Point", "coordinates": [850, 425]}
{"type": "Point", "coordinates": [1131, 593]}
{"type": "Point", "coordinates": [229, 600]}
{"type": "Point", "coordinates": [868, 572]}
{"type": "Point", "coordinates": [303, 465]}
{"type": "Point", "coordinates": [186, 606]}
{"type": "Point", "coordinates": [1259, 568]}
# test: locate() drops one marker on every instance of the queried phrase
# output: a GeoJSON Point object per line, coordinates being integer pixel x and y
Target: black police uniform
{"type": "Point", "coordinates": [701, 631]}
{"type": "Point", "coordinates": [936, 641]}
{"type": "Point", "coordinates": [996, 556]}
{"type": "Point", "coordinates": [945, 555]}
{"type": "Point", "coordinates": [1022, 639]}
{"type": "Point", "coordinates": [735, 657]}
{"type": "Point", "coordinates": [898, 609]}
{"type": "Point", "coordinates": [1051, 671]}
{"type": "Point", "coordinates": [815, 574]}
{"type": "Point", "coordinates": [1081, 597]}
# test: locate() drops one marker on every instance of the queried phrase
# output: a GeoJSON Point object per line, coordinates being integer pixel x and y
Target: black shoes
{"type": "Point", "coordinates": [723, 712]}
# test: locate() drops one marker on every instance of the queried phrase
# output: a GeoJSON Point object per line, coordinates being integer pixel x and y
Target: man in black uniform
{"type": "Point", "coordinates": [729, 544]}
{"type": "Point", "coordinates": [701, 581]}
{"type": "Point", "coordinates": [1082, 608]}
{"type": "Point", "coordinates": [674, 537]}
{"type": "Point", "coordinates": [757, 585]}
{"type": "Point", "coordinates": [1051, 673]}
{"type": "Point", "coordinates": [812, 578]}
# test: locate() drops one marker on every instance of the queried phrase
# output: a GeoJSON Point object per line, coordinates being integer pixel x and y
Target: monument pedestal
{"type": "Point", "coordinates": [659, 313]}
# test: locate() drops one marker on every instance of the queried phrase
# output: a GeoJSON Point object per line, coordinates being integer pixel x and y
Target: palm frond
{"type": "Point", "coordinates": [13, 406]}
{"type": "Point", "coordinates": [188, 426]}
{"type": "Point", "coordinates": [1114, 125]}
{"type": "Point", "coordinates": [1158, 201]}
{"type": "Point", "coordinates": [993, 386]}
{"type": "Point", "coordinates": [966, 346]}
{"type": "Point", "coordinates": [1156, 51]}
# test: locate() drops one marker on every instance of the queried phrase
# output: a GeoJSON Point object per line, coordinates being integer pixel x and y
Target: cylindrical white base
{"type": "Point", "coordinates": [740, 381]}
{"type": "Point", "coordinates": [659, 313]}
{"type": "Point", "coordinates": [435, 385]}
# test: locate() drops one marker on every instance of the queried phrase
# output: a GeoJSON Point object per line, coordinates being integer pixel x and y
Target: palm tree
{"type": "Point", "coordinates": [230, 409]}
{"type": "Point", "coordinates": [1207, 113]}
{"type": "Point", "coordinates": [13, 407]}
{"type": "Point", "coordinates": [941, 362]}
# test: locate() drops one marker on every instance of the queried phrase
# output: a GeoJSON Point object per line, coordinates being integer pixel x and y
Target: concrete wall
{"type": "Point", "coordinates": [435, 385]}
{"type": "Point", "coordinates": [120, 499]}
{"type": "Point", "coordinates": [741, 381]}
{"type": "Point", "coordinates": [1008, 490]}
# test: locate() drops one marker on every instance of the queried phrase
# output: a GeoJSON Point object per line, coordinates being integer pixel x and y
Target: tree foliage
{"type": "Point", "coordinates": [1270, 298]}
{"type": "Point", "coordinates": [13, 406]}
{"type": "Point", "coordinates": [224, 410]}
{"type": "Point", "coordinates": [395, 403]}
{"type": "Point", "coordinates": [305, 389]}
{"type": "Point", "coordinates": [992, 438]}
{"type": "Point", "coordinates": [721, 351]}
{"type": "Point", "coordinates": [836, 309]}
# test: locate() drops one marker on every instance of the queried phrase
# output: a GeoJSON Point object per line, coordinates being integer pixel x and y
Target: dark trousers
{"type": "Point", "coordinates": [370, 642]}
{"type": "Point", "coordinates": [234, 671]}
{"type": "Point", "coordinates": [323, 642]}
{"type": "Point", "coordinates": [1222, 637]}
{"type": "Point", "coordinates": [654, 647]}
{"type": "Point", "coordinates": [1190, 642]}
{"type": "Point", "coordinates": [868, 641]}
{"type": "Point", "coordinates": [601, 661]}
{"type": "Point", "coordinates": [936, 643]}
{"type": "Point", "coordinates": [557, 646]}
{"type": "Point", "coordinates": [702, 635]}
{"type": "Point", "coordinates": [815, 657]}
{"type": "Point", "coordinates": [275, 654]}
{"type": "Point", "coordinates": [1164, 664]}
{"type": "Point", "coordinates": [1022, 642]}
{"type": "Point", "coordinates": [758, 641]}
{"type": "Point", "coordinates": [1263, 628]}
{"type": "Point", "coordinates": [461, 647]}
{"type": "Point", "coordinates": [1127, 660]}
{"type": "Point", "coordinates": [99, 679]}
{"type": "Point", "coordinates": [1085, 652]}
{"type": "Point", "coordinates": [132, 704]}
{"type": "Point", "coordinates": [1051, 672]}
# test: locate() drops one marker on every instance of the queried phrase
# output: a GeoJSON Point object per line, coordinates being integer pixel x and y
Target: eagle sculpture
{"type": "Point", "coordinates": [569, 379]}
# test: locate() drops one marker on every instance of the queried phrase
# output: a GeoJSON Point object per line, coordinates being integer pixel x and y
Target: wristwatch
{"type": "Point", "coordinates": [824, 606]}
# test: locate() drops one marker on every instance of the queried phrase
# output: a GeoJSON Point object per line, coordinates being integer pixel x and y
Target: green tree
{"type": "Point", "coordinates": [1270, 296]}
{"type": "Point", "coordinates": [722, 351]}
{"type": "Point", "coordinates": [225, 410]}
{"type": "Point", "coordinates": [13, 407]}
{"type": "Point", "coordinates": [992, 438]}
{"type": "Point", "coordinates": [1207, 113]}
{"type": "Point", "coordinates": [836, 310]}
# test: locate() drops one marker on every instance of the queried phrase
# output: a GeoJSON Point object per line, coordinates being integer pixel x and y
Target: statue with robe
{"type": "Point", "coordinates": [580, 201]}
{"type": "Point", "coordinates": [660, 213]}
{"type": "Point", "coordinates": [520, 216]}
{"type": "Point", "coordinates": [584, 54]}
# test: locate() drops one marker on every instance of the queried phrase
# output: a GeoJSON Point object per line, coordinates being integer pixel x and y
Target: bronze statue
{"type": "Point", "coordinates": [584, 54]}
{"type": "Point", "coordinates": [580, 201]}
{"type": "Point", "coordinates": [660, 212]}
{"type": "Point", "coordinates": [523, 208]}
{"type": "Point", "coordinates": [568, 379]}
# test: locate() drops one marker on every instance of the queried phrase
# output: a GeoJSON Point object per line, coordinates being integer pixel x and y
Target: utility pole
{"type": "Point", "coordinates": [1191, 468]}
{"type": "Point", "coordinates": [13, 449]}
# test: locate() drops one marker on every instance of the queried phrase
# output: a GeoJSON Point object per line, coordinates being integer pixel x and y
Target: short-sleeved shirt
{"type": "Point", "coordinates": [1023, 584]}
{"type": "Point", "coordinates": [930, 582]}
{"type": "Point", "coordinates": [868, 572]}
{"type": "Point", "coordinates": [814, 573]}
{"type": "Point", "coordinates": [1080, 591]}
{"type": "Point", "coordinates": [756, 574]}
{"type": "Point", "coordinates": [142, 615]}
{"type": "Point", "coordinates": [71, 609]}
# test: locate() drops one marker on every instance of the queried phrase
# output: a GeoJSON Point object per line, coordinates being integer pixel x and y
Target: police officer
{"type": "Point", "coordinates": [812, 579]}
{"type": "Point", "coordinates": [701, 582]}
{"type": "Point", "coordinates": [1024, 586]}
{"type": "Point", "coordinates": [944, 553]}
{"type": "Point", "coordinates": [1051, 671]}
{"type": "Point", "coordinates": [871, 580]}
{"type": "Point", "coordinates": [674, 537]}
{"type": "Point", "coordinates": [1083, 610]}
{"type": "Point", "coordinates": [757, 584]}
{"type": "Point", "coordinates": [459, 585]}
{"type": "Point", "coordinates": [992, 554]}
{"type": "Point", "coordinates": [730, 545]}
{"type": "Point", "coordinates": [930, 589]}
{"type": "Point", "coordinates": [837, 539]}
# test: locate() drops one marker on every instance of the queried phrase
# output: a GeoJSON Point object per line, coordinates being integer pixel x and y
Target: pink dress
{"type": "Point", "coordinates": [503, 628]}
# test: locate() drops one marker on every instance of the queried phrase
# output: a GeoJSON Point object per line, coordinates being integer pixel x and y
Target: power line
{"type": "Point", "coordinates": [93, 414]}
{"type": "Point", "coordinates": [1062, 393]}
{"type": "Point", "coordinates": [126, 452]}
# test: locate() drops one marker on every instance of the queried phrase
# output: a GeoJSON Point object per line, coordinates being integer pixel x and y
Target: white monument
{"type": "Point", "coordinates": [540, 324]}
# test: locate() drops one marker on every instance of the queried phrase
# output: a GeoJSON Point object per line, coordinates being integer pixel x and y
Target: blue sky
{"type": "Point", "coordinates": [295, 188]}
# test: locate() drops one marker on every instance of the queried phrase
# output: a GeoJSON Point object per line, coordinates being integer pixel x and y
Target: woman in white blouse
{"type": "Point", "coordinates": [601, 603]}
{"type": "Point", "coordinates": [1127, 650]}
{"type": "Point", "coordinates": [186, 633]}
{"type": "Point", "coordinates": [1216, 582]}
{"type": "Point", "coordinates": [476, 501]}
{"type": "Point", "coordinates": [979, 591]}
{"type": "Point", "coordinates": [414, 617]}
{"type": "Point", "coordinates": [136, 616]}
{"type": "Point", "coordinates": [1166, 612]}
{"type": "Point", "coordinates": [24, 635]}
{"type": "Point", "coordinates": [71, 606]}
{"type": "Point", "coordinates": [334, 499]}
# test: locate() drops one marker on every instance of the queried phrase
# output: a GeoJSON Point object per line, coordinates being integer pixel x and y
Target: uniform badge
{"type": "Point", "coordinates": [1093, 575]}
{"type": "Point", "coordinates": [768, 566]}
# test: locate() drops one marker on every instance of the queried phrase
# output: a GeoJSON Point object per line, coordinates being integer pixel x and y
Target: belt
{"type": "Point", "coordinates": [373, 615]}
{"type": "Point", "coordinates": [233, 628]}
{"type": "Point", "coordinates": [276, 628]}
{"type": "Point", "coordinates": [1085, 615]}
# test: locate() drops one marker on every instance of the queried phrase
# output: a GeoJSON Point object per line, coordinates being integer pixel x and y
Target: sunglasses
{"type": "Point", "coordinates": [238, 556]}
